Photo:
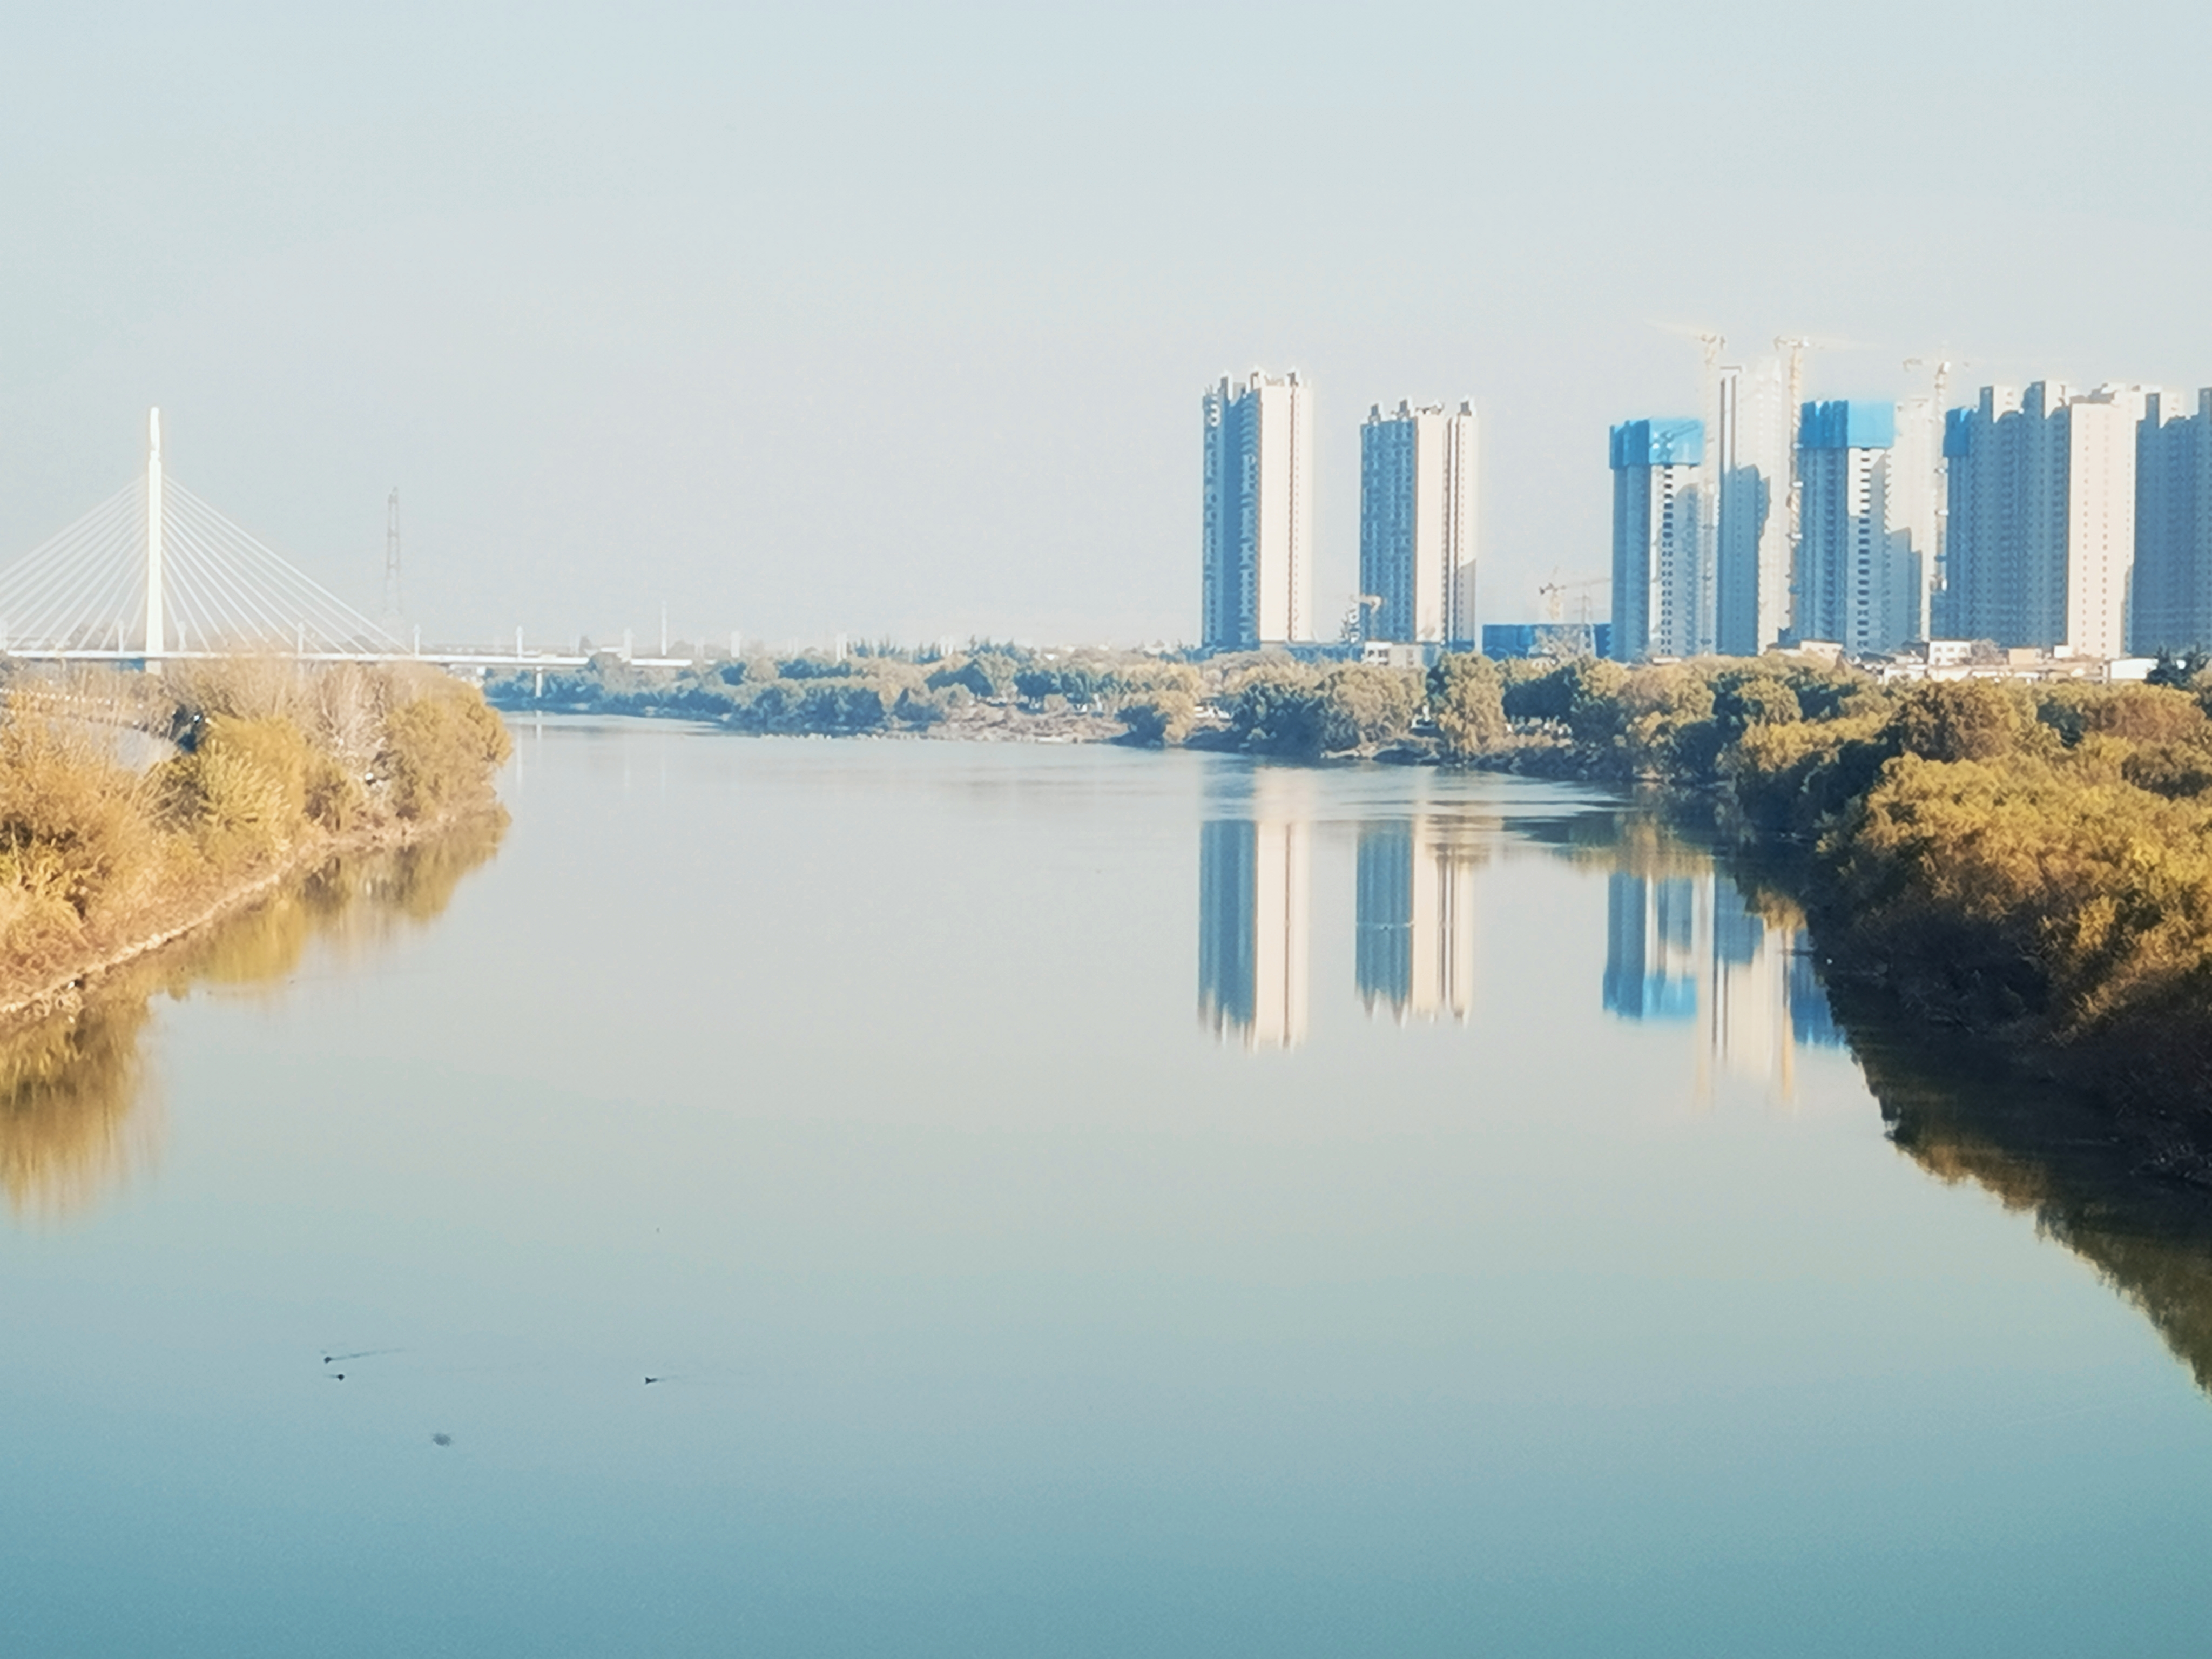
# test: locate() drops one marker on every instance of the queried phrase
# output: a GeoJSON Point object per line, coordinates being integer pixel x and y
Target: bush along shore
{"type": "Point", "coordinates": [135, 809]}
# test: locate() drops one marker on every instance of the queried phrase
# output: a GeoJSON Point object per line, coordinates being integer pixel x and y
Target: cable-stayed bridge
{"type": "Point", "coordinates": [155, 574]}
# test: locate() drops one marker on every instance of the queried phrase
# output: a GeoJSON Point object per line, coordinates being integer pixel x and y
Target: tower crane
{"type": "Point", "coordinates": [1797, 346]}
{"type": "Point", "coordinates": [1553, 590]}
{"type": "Point", "coordinates": [1358, 617]}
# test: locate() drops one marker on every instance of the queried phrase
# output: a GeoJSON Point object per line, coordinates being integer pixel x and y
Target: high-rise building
{"type": "Point", "coordinates": [2042, 535]}
{"type": "Point", "coordinates": [1916, 515]}
{"type": "Point", "coordinates": [1657, 572]}
{"type": "Point", "coordinates": [1417, 522]}
{"type": "Point", "coordinates": [1750, 470]}
{"type": "Point", "coordinates": [1999, 476]}
{"type": "Point", "coordinates": [2172, 609]}
{"type": "Point", "coordinates": [1258, 513]}
{"type": "Point", "coordinates": [1858, 582]}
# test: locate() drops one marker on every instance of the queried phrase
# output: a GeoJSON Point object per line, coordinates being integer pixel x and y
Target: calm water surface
{"type": "Point", "coordinates": [1074, 1202]}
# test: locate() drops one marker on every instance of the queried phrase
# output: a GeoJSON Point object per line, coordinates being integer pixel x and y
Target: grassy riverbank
{"type": "Point", "coordinates": [257, 769]}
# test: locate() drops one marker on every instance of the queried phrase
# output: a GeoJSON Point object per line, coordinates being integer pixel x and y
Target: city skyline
{"type": "Point", "coordinates": [2046, 519]}
{"type": "Point", "coordinates": [602, 298]}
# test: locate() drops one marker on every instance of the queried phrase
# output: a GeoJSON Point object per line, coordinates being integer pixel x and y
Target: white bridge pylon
{"type": "Point", "coordinates": [154, 572]}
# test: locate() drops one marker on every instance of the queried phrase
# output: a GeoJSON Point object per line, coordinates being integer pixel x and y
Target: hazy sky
{"type": "Point", "coordinates": [894, 318]}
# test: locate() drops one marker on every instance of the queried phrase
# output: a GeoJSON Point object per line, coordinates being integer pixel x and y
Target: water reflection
{"type": "Point", "coordinates": [1254, 870]}
{"type": "Point", "coordinates": [1691, 943]}
{"type": "Point", "coordinates": [77, 1114]}
{"type": "Point", "coordinates": [1415, 948]}
{"type": "Point", "coordinates": [1651, 933]}
{"type": "Point", "coordinates": [1684, 943]}
{"type": "Point", "coordinates": [2125, 1192]}
{"type": "Point", "coordinates": [1697, 948]}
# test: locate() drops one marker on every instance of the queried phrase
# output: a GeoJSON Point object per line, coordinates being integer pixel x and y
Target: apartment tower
{"type": "Point", "coordinates": [1750, 473]}
{"type": "Point", "coordinates": [2043, 496]}
{"type": "Point", "coordinates": [1416, 523]}
{"type": "Point", "coordinates": [2172, 609]}
{"type": "Point", "coordinates": [1656, 570]}
{"type": "Point", "coordinates": [1258, 513]}
{"type": "Point", "coordinates": [1850, 588]}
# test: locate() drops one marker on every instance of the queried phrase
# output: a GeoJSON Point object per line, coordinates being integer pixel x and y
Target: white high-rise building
{"type": "Point", "coordinates": [2042, 533]}
{"type": "Point", "coordinates": [1258, 513]}
{"type": "Point", "coordinates": [1916, 499]}
{"type": "Point", "coordinates": [1417, 522]}
{"type": "Point", "coordinates": [1750, 471]}
{"type": "Point", "coordinates": [1657, 571]}
{"type": "Point", "coordinates": [2101, 516]}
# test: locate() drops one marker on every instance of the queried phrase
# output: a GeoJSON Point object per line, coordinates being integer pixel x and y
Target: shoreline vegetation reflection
{"type": "Point", "coordinates": [1692, 940]}
{"type": "Point", "coordinates": [78, 1114]}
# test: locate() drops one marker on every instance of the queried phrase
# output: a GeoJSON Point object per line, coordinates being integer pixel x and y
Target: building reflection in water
{"type": "Point", "coordinates": [1683, 943]}
{"type": "Point", "coordinates": [1650, 944]}
{"type": "Point", "coordinates": [1415, 945]}
{"type": "Point", "coordinates": [1254, 870]}
{"type": "Point", "coordinates": [1689, 948]}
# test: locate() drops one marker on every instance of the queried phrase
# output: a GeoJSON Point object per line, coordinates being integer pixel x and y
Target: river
{"type": "Point", "coordinates": [799, 1197]}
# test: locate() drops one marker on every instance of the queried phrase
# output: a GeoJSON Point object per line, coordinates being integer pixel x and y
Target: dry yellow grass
{"type": "Point", "coordinates": [277, 763]}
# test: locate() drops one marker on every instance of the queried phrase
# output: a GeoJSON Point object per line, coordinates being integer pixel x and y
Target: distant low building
{"type": "Point", "coordinates": [1394, 653]}
{"type": "Point", "coordinates": [1562, 639]}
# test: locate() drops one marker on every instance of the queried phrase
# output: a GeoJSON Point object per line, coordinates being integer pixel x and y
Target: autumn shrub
{"type": "Point", "coordinates": [271, 761]}
{"type": "Point", "coordinates": [1364, 704]}
{"type": "Point", "coordinates": [1159, 718]}
{"type": "Point", "coordinates": [1466, 696]}
{"type": "Point", "coordinates": [439, 747]}
{"type": "Point", "coordinates": [1276, 708]}
{"type": "Point", "coordinates": [75, 838]}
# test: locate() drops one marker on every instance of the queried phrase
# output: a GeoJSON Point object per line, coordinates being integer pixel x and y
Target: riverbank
{"type": "Point", "coordinates": [260, 771]}
{"type": "Point", "coordinates": [2030, 864]}
{"type": "Point", "coordinates": [74, 1117]}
